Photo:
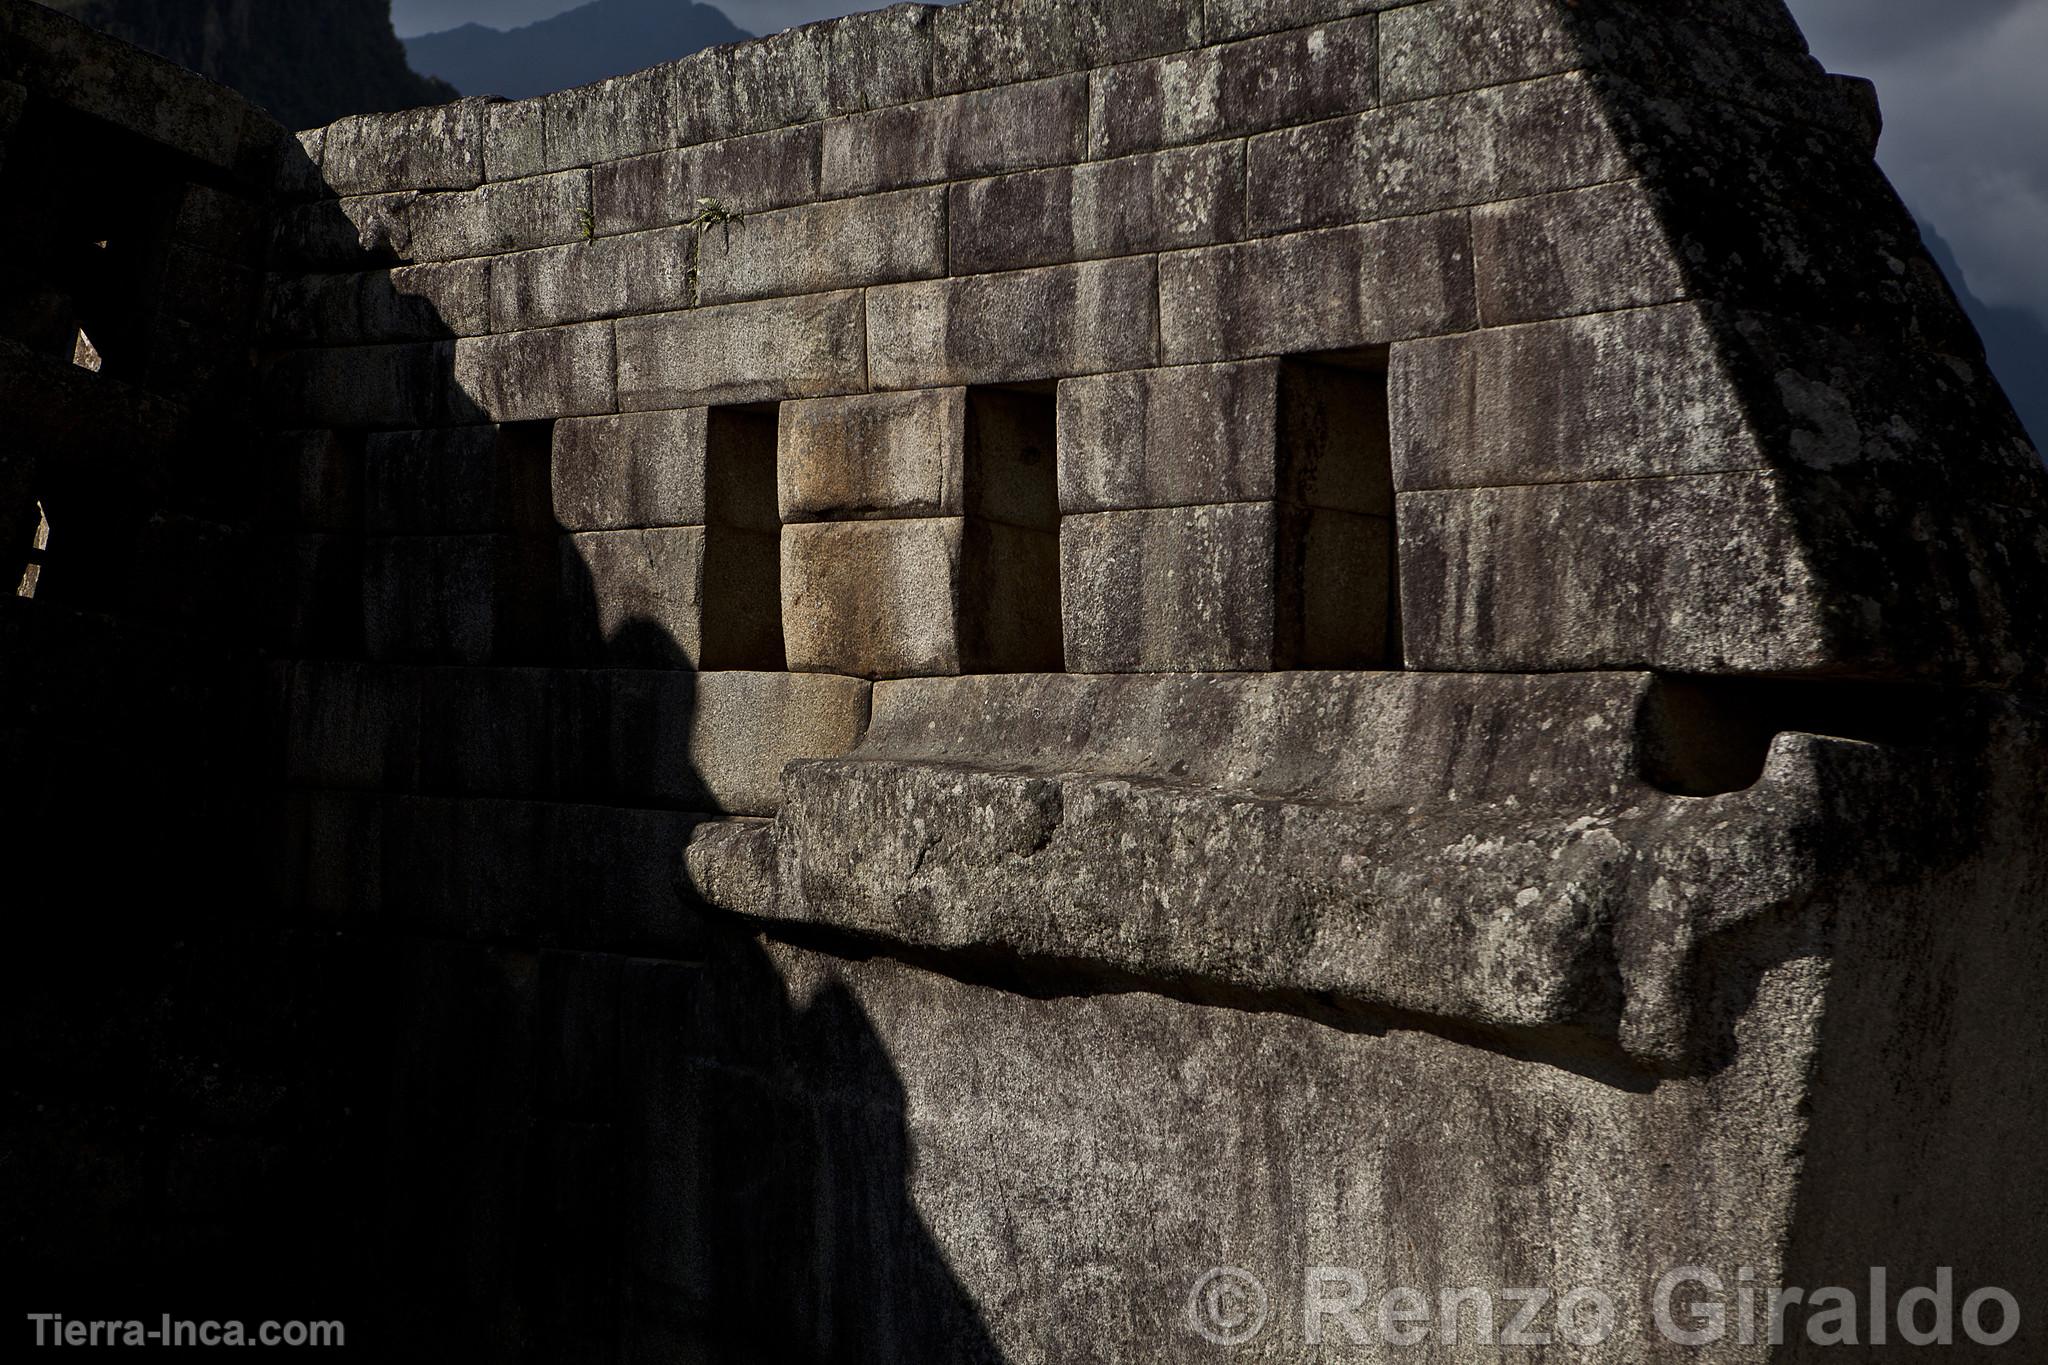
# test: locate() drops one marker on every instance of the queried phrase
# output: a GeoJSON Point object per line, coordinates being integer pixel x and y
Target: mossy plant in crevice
{"type": "Point", "coordinates": [710, 214]}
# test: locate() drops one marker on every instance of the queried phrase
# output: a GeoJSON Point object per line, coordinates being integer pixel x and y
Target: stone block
{"type": "Point", "coordinates": [515, 140]}
{"type": "Point", "coordinates": [1262, 431]}
{"type": "Point", "coordinates": [362, 386]}
{"type": "Point", "coordinates": [1252, 586]}
{"type": "Point", "coordinates": [1700, 574]}
{"type": "Point", "coordinates": [516, 215]}
{"type": "Point", "coordinates": [1317, 291]}
{"type": "Point", "coordinates": [717, 742]}
{"type": "Point", "coordinates": [1014, 328]}
{"type": "Point", "coordinates": [458, 599]}
{"type": "Point", "coordinates": [1227, 19]}
{"type": "Point", "coordinates": [1451, 152]}
{"type": "Point", "coordinates": [671, 105]}
{"type": "Point", "coordinates": [330, 862]}
{"type": "Point", "coordinates": [641, 272]}
{"type": "Point", "coordinates": [218, 222]}
{"type": "Point", "coordinates": [1612, 396]}
{"type": "Point", "coordinates": [1447, 45]}
{"type": "Point", "coordinates": [911, 598]}
{"type": "Point", "coordinates": [1190, 196]}
{"type": "Point", "coordinates": [987, 132]}
{"type": "Point", "coordinates": [351, 726]}
{"type": "Point", "coordinates": [458, 481]}
{"type": "Point", "coordinates": [873, 455]}
{"type": "Point", "coordinates": [1587, 251]}
{"type": "Point", "coordinates": [313, 601]}
{"type": "Point", "coordinates": [692, 467]}
{"type": "Point", "coordinates": [1219, 92]}
{"type": "Point", "coordinates": [313, 481]}
{"type": "Point", "coordinates": [411, 303]}
{"type": "Point", "coordinates": [930, 453]}
{"type": "Point", "coordinates": [756, 174]}
{"type": "Point", "coordinates": [845, 244]}
{"type": "Point", "coordinates": [744, 353]}
{"type": "Point", "coordinates": [880, 59]}
{"type": "Point", "coordinates": [673, 597]}
{"type": "Point", "coordinates": [467, 715]}
{"type": "Point", "coordinates": [1008, 41]}
{"type": "Point", "coordinates": [527, 376]}
{"type": "Point", "coordinates": [437, 148]}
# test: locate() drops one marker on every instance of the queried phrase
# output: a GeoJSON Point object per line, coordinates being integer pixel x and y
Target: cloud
{"type": "Point", "coordinates": [1964, 108]}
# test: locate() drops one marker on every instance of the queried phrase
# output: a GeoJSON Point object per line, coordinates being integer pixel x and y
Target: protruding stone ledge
{"type": "Point", "coordinates": [1477, 849]}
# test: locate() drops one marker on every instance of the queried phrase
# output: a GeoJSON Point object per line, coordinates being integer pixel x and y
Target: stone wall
{"type": "Point", "coordinates": [954, 665]}
{"type": "Point", "coordinates": [174, 1108]}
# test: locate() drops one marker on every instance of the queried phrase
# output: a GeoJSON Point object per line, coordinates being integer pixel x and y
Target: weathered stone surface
{"type": "Point", "coordinates": [665, 106]}
{"type": "Point", "coordinates": [1014, 328]}
{"type": "Point", "coordinates": [1421, 157]}
{"type": "Point", "coordinates": [1226, 19]}
{"type": "Point", "coordinates": [363, 386]}
{"type": "Point", "coordinates": [987, 132]}
{"type": "Point", "coordinates": [1190, 196]}
{"type": "Point", "coordinates": [1261, 431]}
{"type": "Point", "coordinates": [1245, 586]}
{"type": "Point", "coordinates": [1228, 91]}
{"type": "Point", "coordinates": [883, 455]}
{"type": "Point", "coordinates": [456, 599]}
{"type": "Point", "coordinates": [643, 272]}
{"type": "Point", "coordinates": [455, 481]}
{"type": "Point", "coordinates": [846, 244]}
{"type": "Point", "coordinates": [744, 353]}
{"type": "Point", "coordinates": [1615, 396]}
{"type": "Point", "coordinates": [412, 303]}
{"type": "Point", "coordinates": [410, 226]}
{"type": "Point", "coordinates": [1001, 42]}
{"type": "Point", "coordinates": [693, 467]}
{"type": "Point", "coordinates": [213, 220]}
{"type": "Point", "coordinates": [1641, 571]}
{"type": "Point", "coordinates": [710, 742]}
{"type": "Point", "coordinates": [1581, 955]}
{"type": "Point", "coordinates": [56, 58]}
{"type": "Point", "coordinates": [1587, 251]}
{"type": "Point", "coordinates": [526, 376]}
{"type": "Point", "coordinates": [673, 597]}
{"type": "Point", "coordinates": [930, 596]}
{"type": "Point", "coordinates": [928, 453]}
{"type": "Point", "coordinates": [313, 481]}
{"type": "Point", "coordinates": [1474, 977]}
{"type": "Point", "coordinates": [1317, 291]}
{"type": "Point", "coordinates": [719, 741]}
{"type": "Point", "coordinates": [495, 868]}
{"type": "Point", "coordinates": [880, 58]}
{"type": "Point", "coordinates": [754, 174]}
{"type": "Point", "coordinates": [441, 148]}
{"type": "Point", "coordinates": [1448, 45]}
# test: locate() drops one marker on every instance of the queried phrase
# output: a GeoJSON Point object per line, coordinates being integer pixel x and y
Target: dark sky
{"type": "Point", "coordinates": [1964, 85]}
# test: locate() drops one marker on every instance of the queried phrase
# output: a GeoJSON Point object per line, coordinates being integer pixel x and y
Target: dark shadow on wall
{"type": "Point", "coordinates": [588, 1121]}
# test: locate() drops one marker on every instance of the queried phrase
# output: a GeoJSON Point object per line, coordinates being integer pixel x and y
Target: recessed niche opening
{"type": "Point", "coordinates": [1009, 610]}
{"type": "Point", "coordinates": [1701, 736]}
{"type": "Point", "coordinates": [1339, 570]}
{"type": "Point", "coordinates": [742, 592]}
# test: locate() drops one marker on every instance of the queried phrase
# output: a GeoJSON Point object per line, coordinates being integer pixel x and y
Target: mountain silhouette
{"type": "Point", "coordinates": [2015, 341]}
{"type": "Point", "coordinates": [589, 43]}
{"type": "Point", "coordinates": [306, 63]}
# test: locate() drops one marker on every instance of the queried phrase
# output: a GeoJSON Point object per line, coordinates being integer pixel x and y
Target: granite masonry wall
{"type": "Point", "coordinates": [934, 672]}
